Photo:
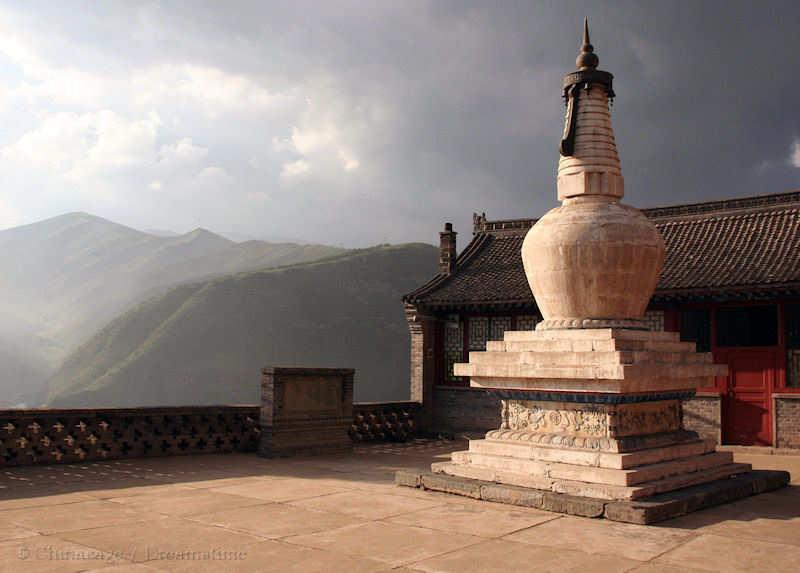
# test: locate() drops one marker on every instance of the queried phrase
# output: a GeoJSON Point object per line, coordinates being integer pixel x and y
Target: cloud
{"type": "Point", "coordinates": [382, 119]}
{"type": "Point", "coordinates": [106, 157]}
{"type": "Point", "coordinates": [349, 162]}
{"type": "Point", "coordinates": [214, 177]}
{"type": "Point", "coordinates": [41, 80]}
{"type": "Point", "coordinates": [326, 142]}
{"type": "Point", "coordinates": [295, 169]}
{"type": "Point", "coordinates": [182, 151]}
{"type": "Point", "coordinates": [794, 153]}
{"type": "Point", "coordinates": [9, 217]}
{"type": "Point", "coordinates": [213, 90]}
{"type": "Point", "coordinates": [83, 147]}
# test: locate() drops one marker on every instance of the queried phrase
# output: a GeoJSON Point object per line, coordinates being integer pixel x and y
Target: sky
{"type": "Point", "coordinates": [355, 123]}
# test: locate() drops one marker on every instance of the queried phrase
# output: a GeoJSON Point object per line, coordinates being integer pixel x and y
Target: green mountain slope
{"type": "Point", "coordinates": [206, 343]}
{"type": "Point", "coordinates": [63, 278]}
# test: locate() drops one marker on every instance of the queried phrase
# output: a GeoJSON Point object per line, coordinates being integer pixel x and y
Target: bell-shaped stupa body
{"type": "Point", "coordinates": [593, 262]}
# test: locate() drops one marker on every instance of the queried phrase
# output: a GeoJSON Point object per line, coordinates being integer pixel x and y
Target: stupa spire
{"type": "Point", "coordinates": [587, 59]}
{"type": "Point", "coordinates": [589, 164]}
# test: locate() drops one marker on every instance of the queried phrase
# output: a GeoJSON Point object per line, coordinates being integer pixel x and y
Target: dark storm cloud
{"type": "Point", "coordinates": [412, 113]}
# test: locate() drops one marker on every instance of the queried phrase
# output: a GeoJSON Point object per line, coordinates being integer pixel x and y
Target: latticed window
{"type": "Point", "coordinates": [527, 322]}
{"type": "Point", "coordinates": [453, 346]}
{"type": "Point", "coordinates": [480, 329]}
{"type": "Point", "coordinates": [498, 327]}
{"type": "Point", "coordinates": [478, 332]}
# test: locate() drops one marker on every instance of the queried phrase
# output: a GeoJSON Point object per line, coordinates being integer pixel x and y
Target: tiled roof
{"type": "Point", "coordinates": [731, 248]}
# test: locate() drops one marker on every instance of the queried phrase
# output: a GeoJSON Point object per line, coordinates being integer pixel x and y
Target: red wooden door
{"type": "Point", "coordinates": [747, 395]}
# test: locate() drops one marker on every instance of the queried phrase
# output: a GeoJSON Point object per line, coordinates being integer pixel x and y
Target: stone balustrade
{"type": "Point", "coordinates": [384, 421]}
{"type": "Point", "coordinates": [51, 436]}
{"type": "Point", "coordinates": [42, 436]}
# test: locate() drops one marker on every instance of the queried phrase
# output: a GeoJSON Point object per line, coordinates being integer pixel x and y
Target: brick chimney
{"type": "Point", "coordinates": [447, 250]}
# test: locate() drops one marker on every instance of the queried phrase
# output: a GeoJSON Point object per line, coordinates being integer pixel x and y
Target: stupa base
{"type": "Point", "coordinates": [595, 416]}
{"type": "Point", "coordinates": [643, 511]}
{"type": "Point", "coordinates": [614, 452]}
{"type": "Point", "coordinates": [510, 467]}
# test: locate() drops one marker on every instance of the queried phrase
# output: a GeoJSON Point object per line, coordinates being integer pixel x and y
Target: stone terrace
{"type": "Point", "coordinates": [343, 513]}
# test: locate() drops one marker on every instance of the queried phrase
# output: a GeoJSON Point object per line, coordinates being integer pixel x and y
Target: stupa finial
{"type": "Point", "coordinates": [587, 59]}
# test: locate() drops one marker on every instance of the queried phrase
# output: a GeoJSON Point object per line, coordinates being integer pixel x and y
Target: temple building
{"type": "Point", "coordinates": [731, 283]}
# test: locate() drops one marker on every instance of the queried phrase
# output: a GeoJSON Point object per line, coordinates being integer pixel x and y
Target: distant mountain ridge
{"type": "Point", "coordinates": [205, 343]}
{"type": "Point", "coordinates": [63, 278]}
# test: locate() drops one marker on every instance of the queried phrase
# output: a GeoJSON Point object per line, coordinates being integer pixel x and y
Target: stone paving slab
{"type": "Point", "coordinates": [313, 514]}
{"type": "Point", "coordinates": [646, 511]}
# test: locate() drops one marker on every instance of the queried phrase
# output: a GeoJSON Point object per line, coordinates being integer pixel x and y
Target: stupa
{"type": "Point", "coordinates": [592, 399]}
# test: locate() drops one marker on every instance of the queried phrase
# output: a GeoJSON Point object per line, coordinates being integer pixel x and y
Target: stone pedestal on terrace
{"type": "Point", "coordinates": [306, 411]}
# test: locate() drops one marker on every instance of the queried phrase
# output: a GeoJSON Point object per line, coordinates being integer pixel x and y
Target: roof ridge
{"type": "Point", "coordinates": [771, 200]}
{"type": "Point", "coordinates": [725, 215]}
{"type": "Point", "coordinates": [500, 225]}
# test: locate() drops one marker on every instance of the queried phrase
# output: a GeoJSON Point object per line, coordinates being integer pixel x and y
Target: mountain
{"type": "Point", "coordinates": [63, 278]}
{"type": "Point", "coordinates": [205, 343]}
{"type": "Point", "coordinates": [163, 233]}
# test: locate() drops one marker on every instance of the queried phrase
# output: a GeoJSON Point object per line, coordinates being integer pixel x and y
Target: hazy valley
{"type": "Point", "coordinates": [205, 343]}
{"type": "Point", "coordinates": [64, 278]}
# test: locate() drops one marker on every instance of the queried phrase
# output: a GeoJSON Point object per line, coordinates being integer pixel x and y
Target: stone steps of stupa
{"type": "Point", "coordinates": [610, 460]}
{"type": "Point", "coordinates": [588, 489]}
{"type": "Point", "coordinates": [555, 358]}
{"type": "Point", "coordinates": [608, 476]}
{"type": "Point", "coordinates": [588, 346]}
{"type": "Point", "coordinates": [653, 371]}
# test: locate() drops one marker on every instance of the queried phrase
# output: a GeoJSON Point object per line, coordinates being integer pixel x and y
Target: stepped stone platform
{"type": "Point", "coordinates": [596, 415]}
{"type": "Point", "coordinates": [645, 511]}
{"type": "Point", "coordinates": [596, 361]}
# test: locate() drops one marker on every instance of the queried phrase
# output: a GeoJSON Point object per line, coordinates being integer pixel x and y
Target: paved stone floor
{"type": "Point", "coordinates": [342, 513]}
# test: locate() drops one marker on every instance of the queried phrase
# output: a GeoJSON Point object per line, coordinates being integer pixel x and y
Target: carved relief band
{"type": "Point", "coordinates": [592, 420]}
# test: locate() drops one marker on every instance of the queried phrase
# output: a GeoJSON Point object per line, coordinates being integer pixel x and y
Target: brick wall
{"type": "Point", "coordinates": [787, 420]}
{"type": "Point", "coordinates": [417, 353]}
{"type": "Point", "coordinates": [703, 415]}
{"type": "Point", "coordinates": [465, 409]}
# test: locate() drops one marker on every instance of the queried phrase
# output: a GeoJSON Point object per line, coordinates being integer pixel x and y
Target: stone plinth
{"type": "Point", "coordinates": [305, 410]}
{"type": "Point", "coordinates": [592, 412]}
{"type": "Point", "coordinates": [590, 361]}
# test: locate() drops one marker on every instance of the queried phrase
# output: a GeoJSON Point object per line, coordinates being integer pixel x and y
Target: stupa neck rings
{"type": "Point", "coordinates": [586, 79]}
